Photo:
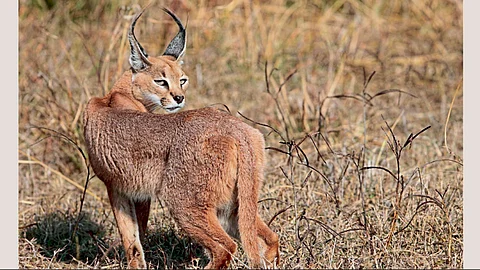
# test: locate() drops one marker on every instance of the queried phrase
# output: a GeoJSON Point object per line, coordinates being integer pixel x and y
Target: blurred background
{"type": "Point", "coordinates": [360, 103]}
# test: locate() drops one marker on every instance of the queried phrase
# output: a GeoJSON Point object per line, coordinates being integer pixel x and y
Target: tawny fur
{"type": "Point", "coordinates": [205, 165]}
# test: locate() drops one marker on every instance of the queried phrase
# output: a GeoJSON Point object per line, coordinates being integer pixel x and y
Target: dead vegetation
{"type": "Point", "coordinates": [360, 103]}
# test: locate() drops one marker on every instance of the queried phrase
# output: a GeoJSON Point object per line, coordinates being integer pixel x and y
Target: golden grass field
{"type": "Point", "coordinates": [339, 88]}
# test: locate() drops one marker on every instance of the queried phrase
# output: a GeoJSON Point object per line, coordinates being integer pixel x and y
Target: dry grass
{"type": "Point", "coordinates": [340, 188]}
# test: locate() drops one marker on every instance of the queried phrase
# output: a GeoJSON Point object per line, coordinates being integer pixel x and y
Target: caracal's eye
{"type": "Point", "coordinates": [183, 81]}
{"type": "Point", "coordinates": [161, 82]}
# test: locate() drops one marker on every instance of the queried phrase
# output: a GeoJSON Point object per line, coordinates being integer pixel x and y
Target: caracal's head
{"type": "Point", "coordinates": [159, 82]}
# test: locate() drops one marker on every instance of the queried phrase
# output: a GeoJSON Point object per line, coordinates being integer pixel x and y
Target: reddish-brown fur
{"type": "Point", "coordinates": [205, 164]}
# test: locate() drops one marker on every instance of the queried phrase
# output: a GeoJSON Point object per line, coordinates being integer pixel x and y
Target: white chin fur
{"type": "Point", "coordinates": [173, 109]}
{"type": "Point", "coordinates": [152, 98]}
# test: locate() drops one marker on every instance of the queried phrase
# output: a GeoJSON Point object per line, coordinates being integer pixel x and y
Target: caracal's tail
{"type": "Point", "coordinates": [250, 175]}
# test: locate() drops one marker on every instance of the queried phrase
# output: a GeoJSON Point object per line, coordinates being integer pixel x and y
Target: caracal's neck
{"type": "Point", "coordinates": [121, 94]}
{"type": "Point", "coordinates": [123, 85]}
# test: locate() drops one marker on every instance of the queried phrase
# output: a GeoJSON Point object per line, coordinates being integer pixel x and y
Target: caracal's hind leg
{"type": "Point", "coordinates": [124, 211]}
{"type": "Point", "coordinates": [142, 209]}
{"type": "Point", "coordinates": [203, 226]}
{"type": "Point", "coordinates": [271, 248]}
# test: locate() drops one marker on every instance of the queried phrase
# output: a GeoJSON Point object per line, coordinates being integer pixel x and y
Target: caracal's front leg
{"type": "Point", "coordinates": [125, 215]}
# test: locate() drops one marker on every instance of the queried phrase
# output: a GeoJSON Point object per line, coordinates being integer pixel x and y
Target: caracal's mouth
{"type": "Point", "coordinates": [154, 101]}
{"type": "Point", "coordinates": [173, 109]}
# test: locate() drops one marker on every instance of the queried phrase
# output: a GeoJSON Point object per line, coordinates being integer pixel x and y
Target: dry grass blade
{"type": "Point", "coordinates": [380, 168]}
{"type": "Point", "coordinates": [278, 213]}
{"type": "Point", "coordinates": [412, 137]}
{"type": "Point", "coordinates": [62, 176]}
{"type": "Point", "coordinates": [263, 125]}
{"type": "Point", "coordinates": [450, 112]}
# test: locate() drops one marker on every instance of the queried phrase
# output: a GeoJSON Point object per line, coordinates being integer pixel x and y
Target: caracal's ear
{"type": "Point", "coordinates": [138, 56]}
{"type": "Point", "coordinates": [177, 46]}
